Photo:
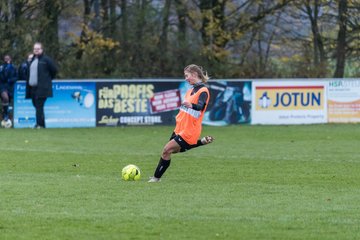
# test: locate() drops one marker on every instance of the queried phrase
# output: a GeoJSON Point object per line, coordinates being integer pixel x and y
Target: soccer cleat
{"type": "Point", "coordinates": [154, 179]}
{"type": "Point", "coordinates": [207, 140]}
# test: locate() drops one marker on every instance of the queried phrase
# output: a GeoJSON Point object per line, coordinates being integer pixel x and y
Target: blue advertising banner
{"type": "Point", "coordinates": [230, 103]}
{"type": "Point", "coordinates": [73, 105]}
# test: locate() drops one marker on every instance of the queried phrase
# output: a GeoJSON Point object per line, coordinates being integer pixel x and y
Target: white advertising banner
{"type": "Point", "coordinates": [344, 100]}
{"type": "Point", "coordinates": [289, 102]}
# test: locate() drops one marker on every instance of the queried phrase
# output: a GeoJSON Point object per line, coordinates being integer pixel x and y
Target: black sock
{"type": "Point", "coordinates": [198, 144]}
{"type": "Point", "coordinates": [161, 168]}
{"type": "Point", "coordinates": [5, 111]}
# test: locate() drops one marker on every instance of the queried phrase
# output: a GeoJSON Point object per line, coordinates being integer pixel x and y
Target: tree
{"type": "Point", "coordinates": [51, 10]}
{"type": "Point", "coordinates": [312, 10]}
{"type": "Point", "coordinates": [163, 41]}
{"type": "Point", "coordinates": [341, 40]}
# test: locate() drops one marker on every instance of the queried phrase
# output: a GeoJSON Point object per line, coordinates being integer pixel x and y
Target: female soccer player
{"type": "Point", "coordinates": [8, 77]}
{"type": "Point", "coordinates": [188, 121]}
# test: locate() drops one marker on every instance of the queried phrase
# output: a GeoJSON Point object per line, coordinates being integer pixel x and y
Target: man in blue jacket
{"type": "Point", "coordinates": [39, 82]}
{"type": "Point", "coordinates": [8, 77]}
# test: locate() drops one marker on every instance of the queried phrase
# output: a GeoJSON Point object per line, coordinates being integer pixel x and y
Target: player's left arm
{"type": "Point", "coordinates": [12, 74]}
{"type": "Point", "coordinates": [201, 102]}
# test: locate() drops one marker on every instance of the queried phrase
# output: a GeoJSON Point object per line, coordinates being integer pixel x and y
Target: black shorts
{"type": "Point", "coordinates": [183, 144]}
{"type": "Point", "coordinates": [6, 88]}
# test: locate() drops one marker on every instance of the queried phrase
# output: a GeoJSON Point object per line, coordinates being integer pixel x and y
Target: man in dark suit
{"type": "Point", "coordinates": [42, 71]}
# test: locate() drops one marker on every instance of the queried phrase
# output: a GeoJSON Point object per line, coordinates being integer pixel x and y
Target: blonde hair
{"type": "Point", "coordinates": [202, 74]}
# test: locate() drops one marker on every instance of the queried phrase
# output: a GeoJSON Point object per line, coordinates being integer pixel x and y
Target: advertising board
{"type": "Point", "coordinates": [72, 105]}
{"type": "Point", "coordinates": [289, 102]}
{"type": "Point", "coordinates": [344, 100]}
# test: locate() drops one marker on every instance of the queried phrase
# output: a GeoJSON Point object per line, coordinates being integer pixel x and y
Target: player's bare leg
{"type": "Point", "coordinates": [171, 147]}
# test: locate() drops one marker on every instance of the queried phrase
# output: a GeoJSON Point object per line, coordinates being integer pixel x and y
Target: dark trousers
{"type": "Point", "coordinates": [39, 103]}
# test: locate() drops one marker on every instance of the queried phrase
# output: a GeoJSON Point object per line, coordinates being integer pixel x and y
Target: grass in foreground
{"type": "Point", "coordinates": [253, 182]}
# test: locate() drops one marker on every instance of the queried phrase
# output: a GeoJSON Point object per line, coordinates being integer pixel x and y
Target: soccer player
{"type": "Point", "coordinates": [188, 120]}
{"type": "Point", "coordinates": [8, 77]}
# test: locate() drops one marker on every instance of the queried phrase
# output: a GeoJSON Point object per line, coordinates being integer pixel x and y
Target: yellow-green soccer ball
{"type": "Point", "coordinates": [131, 173]}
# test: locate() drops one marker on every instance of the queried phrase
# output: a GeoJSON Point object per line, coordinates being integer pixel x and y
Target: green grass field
{"type": "Point", "coordinates": [253, 182]}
